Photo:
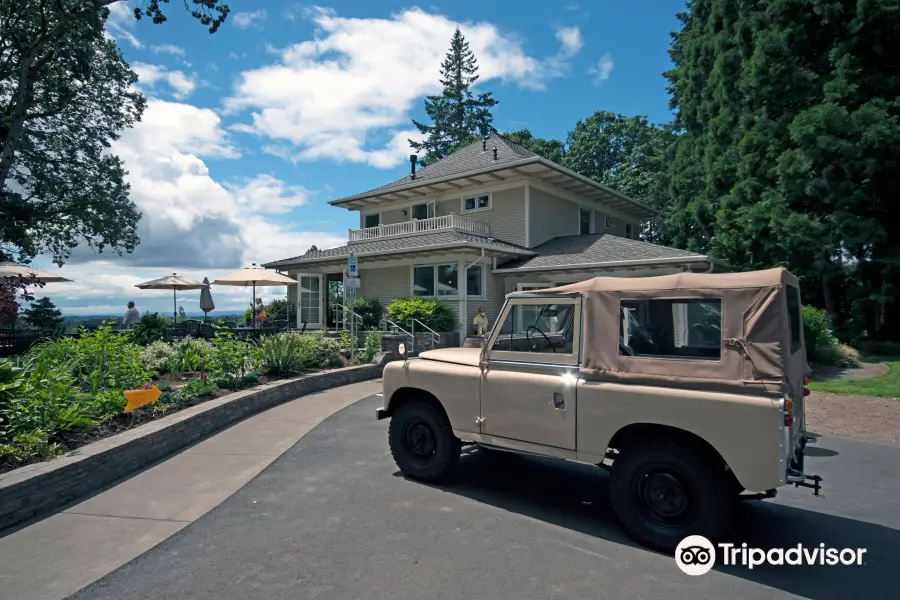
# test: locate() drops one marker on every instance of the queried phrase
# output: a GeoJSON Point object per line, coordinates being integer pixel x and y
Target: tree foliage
{"type": "Point", "coordinates": [13, 289]}
{"type": "Point", "coordinates": [549, 149]}
{"type": "Point", "coordinates": [65, 94]}
{"type": "Point", "coordinates": [458, 116]}
{"type": "Point", "coordinates": [43, 315]}
{"type": "Point", "coordinates": [790, 146]}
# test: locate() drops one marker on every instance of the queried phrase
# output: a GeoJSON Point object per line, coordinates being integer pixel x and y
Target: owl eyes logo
{"type": "Point", "coordinates": [695, 555]}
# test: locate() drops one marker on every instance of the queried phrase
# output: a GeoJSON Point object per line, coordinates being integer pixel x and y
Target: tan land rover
{"type": "Point", "coordinates": [687, 388]}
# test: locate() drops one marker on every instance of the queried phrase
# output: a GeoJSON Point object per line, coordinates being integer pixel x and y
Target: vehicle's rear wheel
{"type": "Point", "coordinates": [664, 491]}
{"type": "Point", "coordinates": [422, 442]}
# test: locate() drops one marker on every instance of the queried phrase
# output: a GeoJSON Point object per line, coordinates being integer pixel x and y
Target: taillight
{"type": "Point", "coordinates": [788, 420]}
{"type": "Point", "coordinates": [788, 408]}
{"type": "Point", "coordinates": [805, 383]}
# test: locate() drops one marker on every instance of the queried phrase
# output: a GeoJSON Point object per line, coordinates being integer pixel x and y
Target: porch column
{"type": "Point", "coordinates": [462, 308]}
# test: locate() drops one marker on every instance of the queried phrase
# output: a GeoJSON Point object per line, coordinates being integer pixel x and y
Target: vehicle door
{"type": "Point", "coordinates": [531, 369]}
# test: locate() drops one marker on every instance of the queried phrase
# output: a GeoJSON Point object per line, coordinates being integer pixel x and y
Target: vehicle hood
{"type": "Point", "coordinates": [456, 356]}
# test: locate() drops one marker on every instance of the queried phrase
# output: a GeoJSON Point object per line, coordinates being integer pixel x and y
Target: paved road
{"type": "Point", "coordinates": [332, 518]}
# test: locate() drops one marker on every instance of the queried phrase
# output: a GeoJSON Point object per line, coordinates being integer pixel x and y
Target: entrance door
{"type": "Point", "coordinates": [528, 390]}
{"type": "Point", "coordinates": [309, 300]}
{"type": "Point", "coordinates": [334, 294]}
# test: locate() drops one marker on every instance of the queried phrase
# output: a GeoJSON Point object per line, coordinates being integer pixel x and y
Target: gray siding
{"type": "Point", "coordinates": [507, 215]}
{"type": "Point", "coordinates": [618, 228]}
{"type": "Point", "coordinates": [551, 217]}
{"type": "Point", "coordinates": [386, 284]}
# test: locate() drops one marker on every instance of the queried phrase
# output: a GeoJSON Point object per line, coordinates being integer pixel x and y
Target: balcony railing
{"type": "Point", "coordinates": [451, 221]}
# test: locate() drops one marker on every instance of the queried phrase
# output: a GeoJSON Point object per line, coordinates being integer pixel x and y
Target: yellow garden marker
{"type": "Point", "coordinates": [139, 398]}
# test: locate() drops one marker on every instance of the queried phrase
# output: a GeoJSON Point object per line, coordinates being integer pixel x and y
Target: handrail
{"type": "Point", "coordinates": [435, 336]}
{"type": "Point", "coordinates": [385, 322]}
{"type": "Point", "coordinates": [353, 314]}
{"type": "Point", "coordinates": [451, 221]}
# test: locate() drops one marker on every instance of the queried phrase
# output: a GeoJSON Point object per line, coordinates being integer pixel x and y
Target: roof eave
{"type": "Point", "coordinates": [487, 247]}
{"type": "Point", "coordinates": [612, 263]}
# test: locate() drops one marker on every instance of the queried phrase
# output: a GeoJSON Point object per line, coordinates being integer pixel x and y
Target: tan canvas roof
{"type": "Point", "coordinates": [677, 281]}
{"type": "Point", "coordinates": [755, 330]}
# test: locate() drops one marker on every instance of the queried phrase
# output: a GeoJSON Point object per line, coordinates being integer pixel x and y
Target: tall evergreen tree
{"type": "Point", "coordinates": [791, 145]}
{"type": "Point", "coordinates": [43, 315]}
{"type": "Point", "coordinates": [458, 116]}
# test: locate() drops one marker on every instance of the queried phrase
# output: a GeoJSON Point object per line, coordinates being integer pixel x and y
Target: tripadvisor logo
{"type": "Point", "coordinates": [696, 555]}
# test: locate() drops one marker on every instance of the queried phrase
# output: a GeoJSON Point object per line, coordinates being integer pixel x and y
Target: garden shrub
{"type": "Point", "coordinates": [282, 354]}
{"type": "Point", "coordinates": [433, 313]}
{"type": "Point", "coordinates": [230, 361]}
{"type": "Point", "coordinates": [372, 346]}
{"type": "Point", "coordinates": [838, 355]}
{"type": "Point", "coordinates": [188, 354]}
{"type": "Point", "coordinates": [149, 329]}
{"type": "Point", "coordinates": [370, 310]}
{"type": "Point", "coordinates": [822, 347]}
{"type": "Point", "coordinates": [158, 357]}
{"type": "Point", "coordinates": [880, 348]}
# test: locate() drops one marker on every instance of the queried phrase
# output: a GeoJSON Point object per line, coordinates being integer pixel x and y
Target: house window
{"type": "Point", "coordinates": [422, 211]}
{"type": "Point", "coordinates": [476, 203]}
{"type": "Point", "coordinates": [690, 329]}
{"type": "Point", "coordinates": [584, 220]}
{"type": "Point", "coordinates": [373, 220]}
{"type": "Point", "coordinates": [610, 222]}
{"type": "Point", "coordinates": [442, 281]}
{"type": "Point", "coordinates": [629, 231]}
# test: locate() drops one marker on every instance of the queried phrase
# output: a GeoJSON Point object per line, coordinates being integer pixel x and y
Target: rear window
{"type": "Point", "coordinates": [795, 318]}
{"type": "Point", "coordinates": [679, 328]}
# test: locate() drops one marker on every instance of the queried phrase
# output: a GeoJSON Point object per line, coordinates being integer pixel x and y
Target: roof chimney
{"type": "Point", "coordinates": [495, 152]}
{"type": "Point", "coordinates": [412, 165]}
{"type": "Point", "coordinates": [484, 144]}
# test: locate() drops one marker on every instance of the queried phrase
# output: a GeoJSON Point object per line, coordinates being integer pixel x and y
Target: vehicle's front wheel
{"type": "Point", "coordinates": [664, 491]}
{"type": "Point", "coordinates": [422, 442]}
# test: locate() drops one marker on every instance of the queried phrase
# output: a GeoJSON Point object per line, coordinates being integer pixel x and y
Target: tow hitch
{"type": "Point", "coordinates": [815, 485]}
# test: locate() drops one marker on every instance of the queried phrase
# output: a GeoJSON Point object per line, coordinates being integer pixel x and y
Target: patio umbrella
{"type": "Point", "coordinates": [252, 276]}
{"type": "Point", "coordinates": [11, 269]}
{"type": "Point", "coordinates": [206, 301]}
{"type": "Point", "coordinates": [173, 282]}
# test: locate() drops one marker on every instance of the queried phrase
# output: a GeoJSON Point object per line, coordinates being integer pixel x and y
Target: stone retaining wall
{"type": "Point", "coordinates": [39, 488]}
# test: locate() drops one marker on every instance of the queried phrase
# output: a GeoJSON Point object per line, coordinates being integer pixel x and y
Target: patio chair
{"type": "Point", "coordinates": [177, 331]}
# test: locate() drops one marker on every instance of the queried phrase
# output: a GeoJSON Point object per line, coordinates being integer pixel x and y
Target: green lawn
{"type": "Point", "coordinates": [885, 386]}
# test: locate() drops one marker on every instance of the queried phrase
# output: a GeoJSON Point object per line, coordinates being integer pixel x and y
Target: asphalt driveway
{"type": "Point", "coordinates": [332, 518]}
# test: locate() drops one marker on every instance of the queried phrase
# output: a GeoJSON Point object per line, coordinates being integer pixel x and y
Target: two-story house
{"type": "Point", "coordinates": [489, 219]}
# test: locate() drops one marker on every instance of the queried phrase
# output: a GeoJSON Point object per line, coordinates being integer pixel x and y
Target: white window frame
{"type": "Point", "coordinates": [434, 274]}
{"type": "Point", "coordinates": [590, 220]}
{"type": "Point", "coordinates": [462, 203]}
{"type": "Point", "coordinates": [430, 209]}
{"type": "Point", "coordinates": [369, 214]}
{"type": "Point", "coordinates": [610, 221]}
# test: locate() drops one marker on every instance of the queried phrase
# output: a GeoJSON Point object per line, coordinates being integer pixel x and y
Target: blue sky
{"type": "Point", "coordinates": [249, 132]}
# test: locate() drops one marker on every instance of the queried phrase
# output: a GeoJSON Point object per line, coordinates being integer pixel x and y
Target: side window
{"type": "Point", "coordinates": [540, 328]}
{"type": "Point", "coordinates": [795, 317]}
{"type": "Point", "coordinates": [671, 328]}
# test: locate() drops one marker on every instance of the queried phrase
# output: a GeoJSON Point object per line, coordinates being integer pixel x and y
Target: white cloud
{"type": "Point", "coordinates": [121, 22]}
{"type": "Point", "coordinates": [149, 75]}
{"type": "Point", "coordinates": [243, 20]}
{"type": "Point", "coordinates": [168, 49]}
{"type": "Point", "coordinates": [603, 69]}
{"type": "Point", "coordinates": [192, 224]}
{"type": "Point", "coordinates": [355, 84]}
{"type": "Point", "coordinates": [570, 38]}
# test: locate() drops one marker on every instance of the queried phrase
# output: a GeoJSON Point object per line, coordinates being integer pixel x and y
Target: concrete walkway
{"type": "Point", "coordinates": [54, 557]}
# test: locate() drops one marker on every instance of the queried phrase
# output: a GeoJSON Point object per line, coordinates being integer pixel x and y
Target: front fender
{"type": "Point", "coordinates": [456, 387]}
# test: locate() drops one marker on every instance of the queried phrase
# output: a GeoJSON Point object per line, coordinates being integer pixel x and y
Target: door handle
{"type": "Point", "coordinates": [558, 400]}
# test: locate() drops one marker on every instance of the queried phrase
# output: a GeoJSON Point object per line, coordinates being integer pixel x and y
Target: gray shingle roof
{"type": "Point", "coordinates": [404, 243]}
{"type": "Point", "coordinates": [588, 249]}
{"type": "Point", "coordinates": [464, 160]}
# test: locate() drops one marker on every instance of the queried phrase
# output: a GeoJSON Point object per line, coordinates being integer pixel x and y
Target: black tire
{"type": "Point", "coordinates": [422, 442]}
{"type": "Point", "coordinates": [692, 494]}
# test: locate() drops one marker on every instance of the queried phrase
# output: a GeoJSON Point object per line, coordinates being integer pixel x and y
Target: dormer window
{"type": "Point", "coordinates": [476, 203]}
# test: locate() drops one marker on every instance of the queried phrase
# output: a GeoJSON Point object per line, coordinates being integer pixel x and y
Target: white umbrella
{"type": "Point", "coordinates": [206, 301]}
{"type": "Point", "coordinates": [252, 276]}
{"type": "Point", "coordinates": [10, 269]}
{"type": "Point", "coordinates": [173, 282]}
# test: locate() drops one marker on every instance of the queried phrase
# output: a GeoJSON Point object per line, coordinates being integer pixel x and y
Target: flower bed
{"type": "Point", "coordinates": [68, 392]}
